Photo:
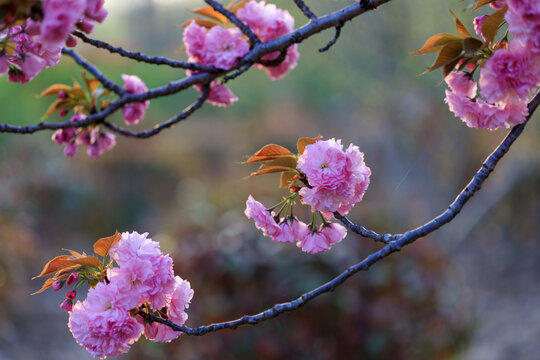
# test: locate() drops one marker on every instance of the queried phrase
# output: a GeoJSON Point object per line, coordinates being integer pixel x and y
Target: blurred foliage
{"type": "Point", "coordinates": [444, 297]}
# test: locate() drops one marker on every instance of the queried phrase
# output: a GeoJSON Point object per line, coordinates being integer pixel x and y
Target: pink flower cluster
{"type": "Point", "coordinates": [222, 47]}
{"type": "Point", "coordinates": [269, 23]}
{"type": "Point", "coordinates": [135, 111]}
{"type": "Point", "coordinates": [103, 324]}
{"type": "Point", "coordinates": [37, 44]}
{"type": "Point", "coordinates": [291, 230]}
{"type": "Point", "coordinates": [93, 138]}
{"type": "Point", "coordinates": [218, 47]}
{"type": "Point", "coordinates": [507, 78]}
{"type": "Point", "coordinates": [337, 179]}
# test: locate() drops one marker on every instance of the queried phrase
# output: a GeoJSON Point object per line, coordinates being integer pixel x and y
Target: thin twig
{"type": "Point", "coordinates": [409, 237]}
{"type": "Point", "coordinates": [360, 230]}
{"type": "Point", "coordinates": [305, 9]}
{"type": "Point", "coordinates": [175, 120]}
{"type": "Point", "coordinates": [276, 61]}
{"type": "Point", "coordinates": [140, 57]}
{"type": "Point", "coordinates": [106, 82]}
{"type": "Point", "coordinates": [246, 30]}
{"type": "Point", "coordinates": [237, 73]}
{"type": "Point", "coordinates": [333, 41]}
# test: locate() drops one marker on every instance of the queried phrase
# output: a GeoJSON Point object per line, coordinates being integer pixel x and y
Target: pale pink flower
{"type": "Point", "coordinates": [461, 83]}
{"type": "Point", "coordinates": [338, 179]}
{"type": "Point", "coordinates": [95, 11]}
{"type": "Point", "coordinates": [178, 303]}
{"type": "Point", "coordinates": [134, 112]}
{"type": "Point", "coordinates": [223, 47]}
{"type": "Point", "coordinates": [286, 235]}
{"type": "Point", "coordinates": [264, 220]}
{"type": "Point", "coordinates": [523, 18]}
{"type": "Point", "coordinates": [509, 73]}
{"type": "Point", "coordinates": [102, 325]}
{"type": "Point", "coordinates": [269, 23]}
{"type": "Point", "coordinates": [314, 243]}
{"type": "Point", "coordinates": [130, 252]}
{"type": "Point", "coordinates": [334, 232]}
{"type": "Point", "coordinates": [220, 95]}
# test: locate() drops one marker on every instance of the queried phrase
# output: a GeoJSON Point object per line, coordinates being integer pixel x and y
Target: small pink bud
{"type": "Point", "coordinates": [63, 112]}
{"type": "Point", "coordinates": [71, 294]}
{"type": "Point", "coordinates": [62, 94]}
{"type": "Point", "coordinates": [72, 278]}
{"type": "Point", "coordinates": [67, 305]}
{"type": "Point", "coordinates": [71, 41]}
{"type": "Point", "coordinates": [57, 285]}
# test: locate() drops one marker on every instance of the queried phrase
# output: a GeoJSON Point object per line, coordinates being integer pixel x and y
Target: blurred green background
{"type": "Point", "coordinates": [469, 291]}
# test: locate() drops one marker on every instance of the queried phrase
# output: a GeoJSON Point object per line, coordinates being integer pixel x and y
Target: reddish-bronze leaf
{"type": "Point", "coordinates": [91, 83]}
{"type": "Point", "coordinates": [449, 53]}
{"type": "Point", "coordinates": [286, 178]}
{"type": "Point", "coordinates": [287, 161]}
{"type": "Point", "coordinates": [103, 245]}
{"type": "Point", "coordinates": [269, 152]}
{"type": "Point", "coordinates": [305, 141]}
{"type": "Point", "coordinates": [492, 23]}
{"type": "Point", "coordinates": [481, 3]}
{"type": "Point", "coordinates": [269, 169]}
{"type": "Point", "coordinates": [209, 12]}
{"type": "Point", "coordinates": [55, 89]}
{"type": "Point", "coordinates": [58, 263]}
{"type": "Point", "coordinates": [462, 30]}
{"type": "Point", "coordinates": [47, 284]}
{"type": "Point", "coordinates": [202, 22]}
{"type": "Point", "coordinates": [239, 6]}
{"type": "Point", "coordinates": [471, 46]}
{"type": "Point", "coordinates": [436, 42]}
{"type": "Point", "coordinates": [91, 261]}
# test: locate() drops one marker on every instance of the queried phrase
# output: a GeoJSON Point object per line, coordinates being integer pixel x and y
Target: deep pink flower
{"type": "Point", "coordinates": [71, 149]}
{"type": "Point", "coordinates": [135, 111]}
{"type": "Point", "coordinates": [290, 62]}
{"type": "Point", "coordinates": [286, 234]}
{"type": "Point", "coordinates": [338, 178]}
{"type": "Point", "coordinates": [59, 18]}
{"type": "Point", "coordinates": [478, 23]}
{"type": "Point", "coordinates": [102, 325]}
{"type": "Point", "coordinates": [67, 305]}
{"type": "Point", "coordinates": [71, 294]}
{"type": "Point", "coordinates": [523, 18]}
{"type": "Point", "coordinates": [73, 277]}
{"type": "Point", "coordinates": [509, 73]}
{"type": "Point", "coordinates": [222, 47]}
{"type": "Point", "coordinates": [57, 285]}
{"type": "Point", "coordinates": [95, 11]}
{"type": "Point", "coordinates": [314, 243]}
{"type": "Point", "coordinates": [334, 232]}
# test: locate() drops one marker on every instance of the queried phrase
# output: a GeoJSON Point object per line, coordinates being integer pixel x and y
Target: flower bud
{"type": "Point", "coordinates": [57, 285]}
{"type": "Point", "coordinates": [67, 305]}
{"type": "Point", "coordinates": [71, 294]}
{"type": "Point", "coordinates": [62, 95]}
{"type": "Point", "coordinates": [72, 278]}
{"type": "Point", "coordinates": [63, 112]}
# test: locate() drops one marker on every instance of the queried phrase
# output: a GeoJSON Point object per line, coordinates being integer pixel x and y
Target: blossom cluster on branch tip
{"type": "Point", "coordinates": [111, 317]}
{"type": "Point", "coordinates": [213, 43]}
{"type": "Point", "coordinates": [33, 32]}
{"type": "Point", "coordinates": [509, 68]}
{"type": "Point", "coordinates": [323, 176]}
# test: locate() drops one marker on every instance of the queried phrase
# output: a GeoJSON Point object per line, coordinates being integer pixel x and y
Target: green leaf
{"type": "Point", "coordinates": [492, 23]}
{"type": "Point", "coordinates": [437, 42]}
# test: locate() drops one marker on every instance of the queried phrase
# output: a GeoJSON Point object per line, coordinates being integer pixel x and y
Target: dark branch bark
{"type": "Point", "coordinates": [360, 230]}
{"type": "Point", "coordinates": [183, 115]}
{"type": "Point", "coordinates": [305, 9]}
{"type": "Point", "coordinates": [333, 41]}
{"type": "Point", "coordinates": [393, 246]}
{"type": "Point", "coordinates": [140, 57]}
{"type": "Point", "coordinates": [106, 82]}
{"type": "Point", "coordinates": [246, 30]}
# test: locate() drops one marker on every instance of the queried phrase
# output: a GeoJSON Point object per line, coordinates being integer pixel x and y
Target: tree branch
{"type": "Point", "coordinates": [360, 230]}
{"type": "Point", "coordinates": [305, 9]}
{"type": "Point", "coordinates": [140, 57]}
{"type": "Point", "coordinates": [246, 30]}
{"type": "Point", "coordinates": [393, 246]}
{"type": "Point", "coordinates": [333, 40]}
{"type": "Point", "coordinates": [106, 82]}
{"type": "Point", "coordinates": [157, 129]}
{"type": "Point", "coordinates": [258, 51]}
